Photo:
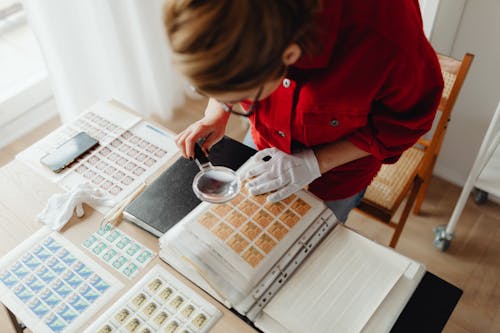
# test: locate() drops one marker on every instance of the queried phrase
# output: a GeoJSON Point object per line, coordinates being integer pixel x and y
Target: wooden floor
{"type": "Point", "coordinates": [472, 262]}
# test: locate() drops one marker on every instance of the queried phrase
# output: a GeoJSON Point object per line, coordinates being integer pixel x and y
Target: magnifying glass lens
{"type": "Point", "coordinates": [216, 185]}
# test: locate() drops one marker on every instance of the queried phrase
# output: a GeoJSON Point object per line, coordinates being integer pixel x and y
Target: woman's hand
{"type": "Point", "coordinates": [211, 127]}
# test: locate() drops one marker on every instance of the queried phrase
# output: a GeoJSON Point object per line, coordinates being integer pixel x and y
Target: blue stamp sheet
{"type": "Point", "coordinates": [53, 284]}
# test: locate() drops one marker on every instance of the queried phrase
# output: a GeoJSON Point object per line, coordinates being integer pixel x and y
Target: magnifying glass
{"type": "Point", "coordinates": [215, 184]}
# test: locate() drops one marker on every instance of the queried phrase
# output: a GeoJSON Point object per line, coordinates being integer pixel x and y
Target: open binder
{"type": "Point", "coordinates": [290, 266]}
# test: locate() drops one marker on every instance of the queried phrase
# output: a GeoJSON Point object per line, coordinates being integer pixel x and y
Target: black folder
{"type": "Point", "coordinates": [170, 197]}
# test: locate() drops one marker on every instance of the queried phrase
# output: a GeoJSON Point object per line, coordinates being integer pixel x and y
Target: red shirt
{"type": "Point", "coordinates": [376, 82]}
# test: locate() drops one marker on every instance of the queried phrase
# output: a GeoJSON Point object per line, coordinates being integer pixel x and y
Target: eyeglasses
{"type": "Point", "coordinates": [229, 107]}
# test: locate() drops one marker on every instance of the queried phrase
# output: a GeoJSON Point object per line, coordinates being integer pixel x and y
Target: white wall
{"type": "Point", "coordinates": [429, 9]}
{"type": "Point", "coordinates": [469, 26]}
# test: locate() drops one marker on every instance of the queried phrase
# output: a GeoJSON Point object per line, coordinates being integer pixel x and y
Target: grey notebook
{"type": "Point", "coordinates": [170, 197]}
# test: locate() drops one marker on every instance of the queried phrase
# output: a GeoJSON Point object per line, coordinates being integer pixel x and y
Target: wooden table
{"type": "Point", "coordinates": [23, 194]}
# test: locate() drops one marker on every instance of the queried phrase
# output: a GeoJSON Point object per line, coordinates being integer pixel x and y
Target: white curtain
{"type": "Point", "coordinates": [103, 49]}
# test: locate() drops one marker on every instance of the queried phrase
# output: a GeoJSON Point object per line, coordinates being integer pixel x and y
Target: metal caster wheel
{"type": "Point", "coordinates": [442, 240]}
{"type": "Point", "coordinates": [480, 196]}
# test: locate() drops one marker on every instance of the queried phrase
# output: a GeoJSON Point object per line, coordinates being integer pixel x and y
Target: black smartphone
{"type": "Point", "coordinates": [66, 153]}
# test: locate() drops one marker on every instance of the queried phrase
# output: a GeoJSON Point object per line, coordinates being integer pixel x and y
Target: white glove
{"type": "Point", "coordinates": [60, 206]}
{"type": "Point", "coordinates": [287, 174]}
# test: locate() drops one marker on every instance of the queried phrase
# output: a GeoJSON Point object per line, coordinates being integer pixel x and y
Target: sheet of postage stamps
{"type": "Point", "coordinates": [129, 151]}
{"type": "Point", "coordinates": [51, 285]}
{"type": "Point", "coordinates": [158, 303]}
{"type": "Point", "coordinates": [251, 227]}
{"type": "Point", "coordinates": [119, 250]}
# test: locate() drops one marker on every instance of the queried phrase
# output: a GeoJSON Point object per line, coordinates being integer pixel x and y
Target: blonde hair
{"type": "Point", "coordinates": [235, 45]}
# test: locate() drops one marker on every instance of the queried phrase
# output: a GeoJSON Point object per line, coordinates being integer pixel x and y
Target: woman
{"type": "Point", "coordinates": [332, 89]}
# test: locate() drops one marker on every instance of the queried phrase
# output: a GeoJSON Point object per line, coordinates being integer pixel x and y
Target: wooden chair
{"type": "Point", "coordinates": [410, 176]}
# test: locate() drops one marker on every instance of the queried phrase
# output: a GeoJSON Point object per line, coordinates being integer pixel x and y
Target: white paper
{"type": "Point", "coordinates": [339, 287]}
{"type": "Point", "coordinates": [51, 285]}
{"type": "Point", "coordinates": [388, 312]}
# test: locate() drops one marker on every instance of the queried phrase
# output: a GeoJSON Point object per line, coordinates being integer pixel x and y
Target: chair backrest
{"type": "Point", "coordinates": [454, 72]}
{"type": "Point", "coordinates": [409, 177]}
{"type": "Point", "coordinates": [393, 182]}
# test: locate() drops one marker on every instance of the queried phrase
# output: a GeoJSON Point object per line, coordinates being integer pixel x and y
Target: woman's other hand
{"type": "Point", "coordinates": [211, 128]}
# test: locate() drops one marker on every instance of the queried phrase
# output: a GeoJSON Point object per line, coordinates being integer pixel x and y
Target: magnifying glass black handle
{"type": "Point", "coordinates": [199, 155]}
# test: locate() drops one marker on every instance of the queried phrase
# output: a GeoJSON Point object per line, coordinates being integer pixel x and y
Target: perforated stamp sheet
{"type": "Point", "coordinates": [158, 303]}
{"type": "Point", "coordinates": [252, 227]}
{"type": "Point", "coordinates": [51, 285]}
{"type": "Point", "coordinates": [129, 151]}
{"type": "Point", "coordinates": [118, 250]}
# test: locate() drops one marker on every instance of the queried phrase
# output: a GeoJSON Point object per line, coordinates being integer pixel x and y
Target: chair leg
{"type": "Point", "coordinates": [423, 189]}
{"type": "Point", "coordinates": [406, 212]}
{"type": "Point", "coordinates": [420, 197]}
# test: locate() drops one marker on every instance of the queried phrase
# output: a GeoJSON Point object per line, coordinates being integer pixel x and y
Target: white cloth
{"type": "Point", "coordinates": [60, 206]}
{"type": "Point", "coordinates": [278, 171]}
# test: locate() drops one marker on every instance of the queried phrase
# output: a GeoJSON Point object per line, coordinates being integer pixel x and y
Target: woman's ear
{"type": "Point", "coordinates": [291, 54]}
